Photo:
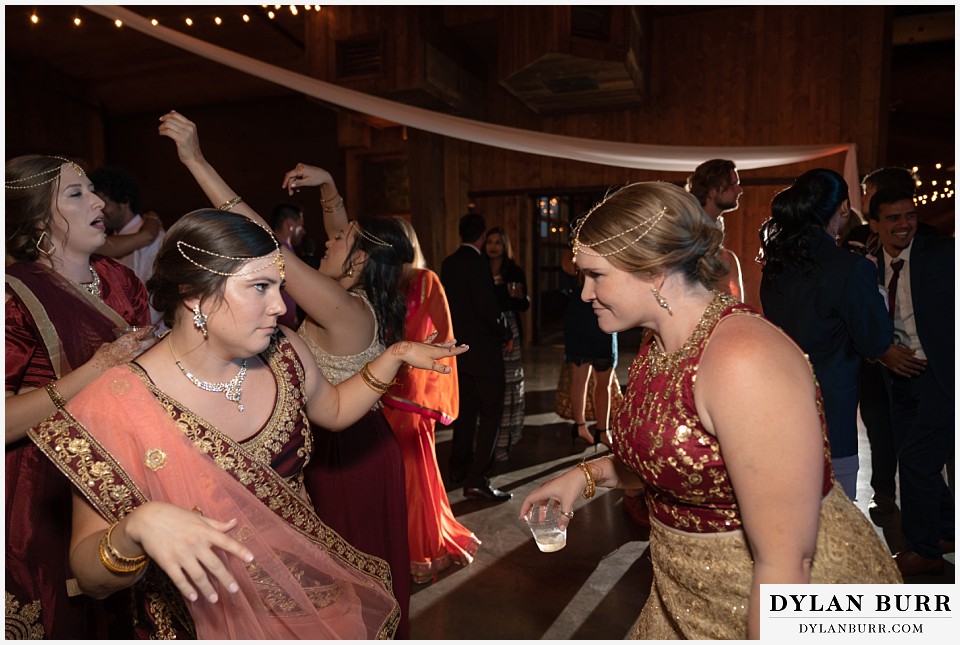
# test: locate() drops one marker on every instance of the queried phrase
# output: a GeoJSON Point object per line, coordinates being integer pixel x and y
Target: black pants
{"type": "Point", "coordinates": [923, 419]}
{"type": "Point", "coordinates": [875, 412]}
{"type": "Point", "coordinates": [481, 399]}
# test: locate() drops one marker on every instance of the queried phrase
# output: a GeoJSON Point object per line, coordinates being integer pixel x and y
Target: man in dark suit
{"type": "Point", "coordinates": [918, 272]}
{"type": "Point", "coordinates": [475, 313]}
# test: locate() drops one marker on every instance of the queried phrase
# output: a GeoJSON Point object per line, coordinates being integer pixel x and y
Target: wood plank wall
{"type": "Point", "coordinates": [742, 76]}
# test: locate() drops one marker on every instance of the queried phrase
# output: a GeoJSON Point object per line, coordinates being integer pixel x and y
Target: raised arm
{"type": "Point", "coordinates": [756, 407]}
{"type": "Point", "coordinates": [335, 216]}
{"type": "Point", "coordinates": [321, 297]}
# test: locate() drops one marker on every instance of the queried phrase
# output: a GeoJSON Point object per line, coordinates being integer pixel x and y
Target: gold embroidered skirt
{"type": "Point", "coordinates": [701, 583]}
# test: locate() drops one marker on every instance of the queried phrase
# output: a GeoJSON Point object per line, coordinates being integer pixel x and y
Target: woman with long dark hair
{"type": "Point", "coordinates": [827, 299]}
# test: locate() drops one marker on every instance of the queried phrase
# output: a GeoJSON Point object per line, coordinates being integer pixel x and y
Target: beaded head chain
{"type": "Point", "coordinates": [370, 237]}
{"type": "Point", "coordinates": [645, 226]}
{"type": "Point", "coordinates": [49, 175]}
{"type": "Point", "coordinates": [276, 260]}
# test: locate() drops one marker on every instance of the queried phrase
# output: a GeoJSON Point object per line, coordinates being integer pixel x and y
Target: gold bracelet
{"type": "Point", "coordinates": [591, 488]}
{"type": "Point", "coordinates": [333, 209]}
{"type": "Point", "coordinates": [619, 483]}
{"type": "Point", "coordinates": [374, 381]}
{"type": "Point", "coordinates": [227, 205]}
{"type": "Point", "coordinates": [115, 561]}
{"type": "Point", "coordinates": [55, 395]}
{"type": "Point", "coordinates": [324, 201]}
{"type": "Point", "coordinates": [371, 385]}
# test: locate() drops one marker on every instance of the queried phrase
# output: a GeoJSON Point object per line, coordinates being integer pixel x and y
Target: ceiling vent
{"type": "Point", "coordinates": [590, 22]}
{"type": "Point", "coordinates": [359, 58]}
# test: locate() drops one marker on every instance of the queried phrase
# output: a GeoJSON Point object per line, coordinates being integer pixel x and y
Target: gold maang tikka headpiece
{"type": "Point", "coordinates": [19, 184]}
{"type": "Point", "coordinates": [644, 227]}
{"type": "Point", "coordinates": [276, 260]}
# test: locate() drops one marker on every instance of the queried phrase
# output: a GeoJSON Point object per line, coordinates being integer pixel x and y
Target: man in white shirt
{"type": "Point", "coordinates": [918, 273]}
{"type": "Point", "coordinates": [121, 214]}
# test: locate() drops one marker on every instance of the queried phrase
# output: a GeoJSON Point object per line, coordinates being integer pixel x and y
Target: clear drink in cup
{"type": "Point", "coordinates": [542, 520]}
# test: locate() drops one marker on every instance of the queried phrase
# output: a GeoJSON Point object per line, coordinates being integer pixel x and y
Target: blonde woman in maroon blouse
{"type": "Point", "coordinates": [728, 444]}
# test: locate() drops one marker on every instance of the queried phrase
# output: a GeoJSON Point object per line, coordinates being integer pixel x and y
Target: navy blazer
{"type": "Point", "coordinates": [932, 284]}
{"type": "Point", "coordinates": [835, 313]}
{"type": "Point", "coordinates": [474, 311]}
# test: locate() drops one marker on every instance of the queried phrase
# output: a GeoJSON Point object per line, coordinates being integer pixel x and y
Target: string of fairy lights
{"type": "Point", "coordinates": [931, 190]}
{"type": "Point", "coordinates": [928, 190]}
{"type": "Point", "coordinates": [270, 11]}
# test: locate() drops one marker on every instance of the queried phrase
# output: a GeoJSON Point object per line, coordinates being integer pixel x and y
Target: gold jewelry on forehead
{"type": "Point", "coordinates": [19, 184]}
{"type": "Point", "coordinates": [370, 237]}
{"type": "Point", "coordinates": [644, 227]}
{"type": "Point", "coordinates": [276, 260]}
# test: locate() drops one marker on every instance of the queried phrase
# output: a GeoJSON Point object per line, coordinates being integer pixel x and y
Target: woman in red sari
{"type": "Point", "coordinates": [63, 304]}
{"type": "Point", "coordinates": [188, 462]}
{"type": "Point", "coordinates": [413, 407]}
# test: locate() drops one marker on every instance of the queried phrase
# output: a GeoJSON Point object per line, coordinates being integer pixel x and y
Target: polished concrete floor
{"type": "Point", "coordinates": [593, 588]}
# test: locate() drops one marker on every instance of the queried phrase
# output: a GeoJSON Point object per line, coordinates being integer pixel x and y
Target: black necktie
{"type": "Point", "coordinates": [896, 265]}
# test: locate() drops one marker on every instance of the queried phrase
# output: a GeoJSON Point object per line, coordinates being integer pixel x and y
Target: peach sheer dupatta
{"type": "Point", "coordinates": [120, 446]}
{"type": "Point", "coordinates": [426, 392]}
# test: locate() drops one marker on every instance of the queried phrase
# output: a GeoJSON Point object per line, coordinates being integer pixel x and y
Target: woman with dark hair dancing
{"type": "Point", "coordinates": [188, 463]}
{"type": "Point", "coordinates": [354, 309]}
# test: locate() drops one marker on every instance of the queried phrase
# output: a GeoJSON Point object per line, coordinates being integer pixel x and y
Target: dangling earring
{"type": "Point", "coordinates": [200, 320]}
{"type": "Point", "coordinates": [43, 234]}
{"type": "Point", "coordinates": [661, 300]}
{"type": "Point", "coordinates": [350, 266]}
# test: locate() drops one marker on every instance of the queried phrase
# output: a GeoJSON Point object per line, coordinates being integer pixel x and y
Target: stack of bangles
{"type": "Point", "coordinates": [373, 382]}
{"type": "Point", "coordinates": [115, 561]}
{"type": "Point", "coordinates": [335, 207]}
{"type": "Point", "coordinates": [588, 474]}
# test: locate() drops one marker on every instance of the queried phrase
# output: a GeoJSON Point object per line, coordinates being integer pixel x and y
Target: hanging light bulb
{"type": "Point", "coordinates": [34, 18]}
{"type": "Point", "coordinates": [270, 15]}
{"type": "Point", "coordinates": [77, 21]}
{"type": "Point", "coordinates": [217, 20]}
{"type": "Point", "coordinates": [154, 22]}
{"type": "Point", "coordinates": [189, 22]}
{"type": "Point", "coordinates": [246, 18]}
{"type": "Point", "coordinates": [293, 9]}
{"type": "Point", "coordinates": [118, 23]}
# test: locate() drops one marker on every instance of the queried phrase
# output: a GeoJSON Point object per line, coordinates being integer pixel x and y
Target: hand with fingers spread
{"type": "Point", "coordinates": [187, 546]}
{"type": "Point", "coordinates": [427, 355]}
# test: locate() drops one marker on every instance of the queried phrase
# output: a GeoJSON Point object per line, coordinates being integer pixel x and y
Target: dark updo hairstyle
{"type": "Point", "coordinates": [796, 213]}
{"type": "Point", "coordinates": [380, 276]}
{"type": "Point", "coordinates": [32, 182]}
{"type": "Point", "coordinates": [175, 278]}
{"type": "Point", "coordinates": [684, 239]}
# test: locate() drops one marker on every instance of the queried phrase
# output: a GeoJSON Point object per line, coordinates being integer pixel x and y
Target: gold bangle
{"type": "Point", "coordinates": [374, 381]}
{"type": "Point", "coordinates": [324, 201]}
{"type": "Point", "coordinates": [371, 381]}
{"type": "Point", "coordinates": [227, 205]}
{"type": "Point", "coordinates": [332, 209]}
{"type": "Point", "coordinates": [591, 488]}
{"type": "Point", "coordinates": [55, 395]}
{"type": "Point", "coordinates": [115, 561]}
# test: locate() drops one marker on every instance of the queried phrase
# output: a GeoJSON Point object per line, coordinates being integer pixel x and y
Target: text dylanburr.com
{"type": "Point", "coordinates": [858, 613]}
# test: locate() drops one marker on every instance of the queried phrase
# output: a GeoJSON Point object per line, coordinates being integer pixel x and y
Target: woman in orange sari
{"type": "Point", "coordinates": [413, 407]}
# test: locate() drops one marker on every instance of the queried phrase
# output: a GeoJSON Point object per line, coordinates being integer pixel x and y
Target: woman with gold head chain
{"type": "Point", "coordinates": [707, 419]}
{"type": "Point", "coordinates": [64, 301]}
{"type": "Point", "coordinates": [354, 310]}
{"type": "Point", "coordinates": [188, 462]}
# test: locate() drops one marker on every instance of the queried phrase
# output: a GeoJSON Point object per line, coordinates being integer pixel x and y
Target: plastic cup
{"type": "Point", "coordinates": [542, 520]}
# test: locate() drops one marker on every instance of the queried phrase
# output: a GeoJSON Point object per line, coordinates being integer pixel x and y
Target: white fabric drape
{"type": "Point", "coordinates": [609, 153]}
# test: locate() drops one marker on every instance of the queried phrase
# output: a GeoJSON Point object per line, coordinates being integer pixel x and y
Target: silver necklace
{"type": "Point", "coordinates": [232, 389]}
{"type": "Point", "coordinates": [93, 288]}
